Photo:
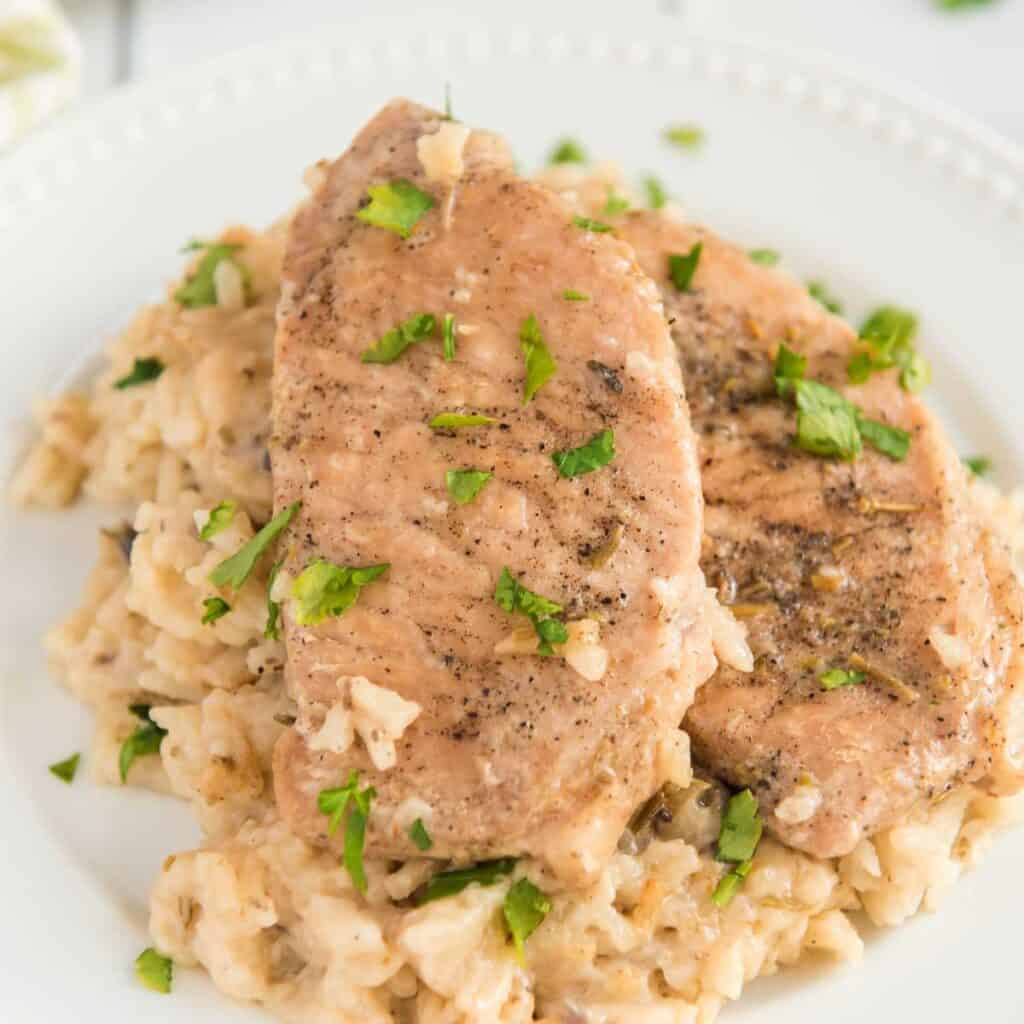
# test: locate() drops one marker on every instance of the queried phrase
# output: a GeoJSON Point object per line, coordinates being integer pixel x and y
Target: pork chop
{"type": "Point", "coordinates": [878, 567]}
{"type": "Point", "coordinates": [497, 749]}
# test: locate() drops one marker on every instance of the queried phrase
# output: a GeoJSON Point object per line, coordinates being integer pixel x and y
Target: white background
{"type": "Point", "coordinates": [972, 58]}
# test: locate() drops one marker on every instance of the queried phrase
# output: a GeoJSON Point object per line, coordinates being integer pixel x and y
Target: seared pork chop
{"type": "Point", "coordinates": [499, 750]}
{"type": "Point", "coordinates": [876, 566]}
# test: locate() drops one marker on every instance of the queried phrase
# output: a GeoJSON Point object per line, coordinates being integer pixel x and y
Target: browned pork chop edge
{"type": "Point", "coordinates": [831, 562]}
{"type": "Point", "coordinates": [509, 755]}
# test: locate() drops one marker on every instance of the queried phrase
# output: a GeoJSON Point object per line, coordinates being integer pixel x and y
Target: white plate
{"type": "Point", "coordinates": [882, 196]}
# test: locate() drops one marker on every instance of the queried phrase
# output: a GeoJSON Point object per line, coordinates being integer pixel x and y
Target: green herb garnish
{"type": "Point", "coordinates": [450, 883]}
{"type": "Point", "coordinates": [568, 151]}
{"type": "Point", "coordinates": [685, 136]}
{"type": "Point", "coordinates": [220, 519]}
{"type": "Point", "coordinates": [979, 465]}
{"type": "Point", "coordinates": [395, 206]}
{"type": "Point", "coordinates": [420, 836]}
{"type": "Point", "coordinates": [524, 908]}
{"type": "Point", "coordinates": [143, 371]}
{"type": "Point", "coordinates": [454, 420]}
{"type": "Point", "coordinates": [511, 596]}
{"type": "Point", "coordinates": [540, 363]}
{"type": "Point", "coordinates": [682, 267]}
{"type": "Point", "coordinates": [214, 608]}
{"type": "Point", "coordinates": [887, 337]}
{"type": "Point", "coordinates": [957, 5]}
{"type": "Point", "coordinates": [817, 290]}
{"type": "Point", "coordinates": [741, 828]}
{"type": "Point", "coordinates": [234, 571]}
{"type": "Point", "coordinates": [614, 205]}
{"type": "Point", "coordinates": [826, 423]}
{"type": "Point", "coordinates": [156, 972]}
{"type": "Point", "coordinates": [398, 339]}
{"type": "Point", "coordinates": [333, 802]}
{"type": "Point", "coordinates": [200, 290]}
{"type": "Point", "coordinates": [465, 484]}
{"type": "Point", "coordinates": [729, 884]}
{"type": "Point", "coordinates": [448, 336]}
{"type": "Point", "coordinates": [834, 678]}
{"type": "Point", "coordinates": [65, 770]}
{"type": "Point", "coordinates": [789, 367]}
{"type": "Point", "coordinates": [571, 295]}
{"type": "Point", "coordinates": [324, 589]}
{"type": "Point", "coordinates": [144, 741]}
{"type": "Point", "coordinates": [272, 630]}
{"type": "Point", "coordinates": [589, 224]}
{"type": "Point", "coordinates": [764, 257]}
{"type": "Point", "coordinates": [597, 452]}
{"type": "Point", "coordinates": [656, 194]}
{"type": "Point", "coordinates": [891, 441]}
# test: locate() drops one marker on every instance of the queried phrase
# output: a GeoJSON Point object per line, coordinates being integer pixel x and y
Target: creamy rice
{"type": "Point", "coordinates": [278, 922]}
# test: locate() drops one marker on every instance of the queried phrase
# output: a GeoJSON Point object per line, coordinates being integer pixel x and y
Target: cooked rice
{"type": "Point", "coordinates": [277, 921]}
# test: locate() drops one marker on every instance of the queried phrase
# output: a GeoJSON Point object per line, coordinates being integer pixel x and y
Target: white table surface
{"type": "Point", "coordinates": [972, 58]}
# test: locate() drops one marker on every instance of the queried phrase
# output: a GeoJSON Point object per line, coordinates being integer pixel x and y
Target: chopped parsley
{"type": "Point", "coordinates": [597, 452]}
{"type": "Point", "coordinates": [144, 741]}
{"type": "Point", "coordinates": [142, 372]}
{"type": "Point", "coordinates": [334, 802]}
{"type": "Point", "coordinates": [891, 441]}
{"type": "Point", "coordinates": [685, 136]}
{"type": "Point", "coordinates": [737, 841]}
{"type": "Point", "coordinates": [272, 630]}
{"type": "Point", "coordinates": [568, 151]}
{"type": "Point", "coordinates": [958, 5]}
{"type": "Point", "coordinates": [200, 288]}
{"type": "Point", "coordinates": [220, 519]}
{"type": "Point", "coordinates": [614, 205]}
{"type": "Point", "coordinates": [398, 339]}
{"type": "Point", "coordinates": [524, 908]}
{"type": "Point", "coordinates": [540, 363]}
{"type": "Point", "coordinates": [448, 336]}
{"type": "Point", "coordinates": [420, 836]}
{"type": "Point", "coordinates": [450, 883]}
{"type": "Point", "coordinates": [395, 206]}
{"type": "Point", "coordinates": [234, 571]}
{"type": "Point", "coordinates": [324, 589]}
{"type": "Point", "coordinates": [571, 295]}
{"type": "Point", "coordinates": [887, 341]}
{"type": "Point", "coordinates": [817, 290]}
{"type": "Point", "coordinates": [682, 267]}
{"type": "Point", "coordinates": [589, 224]}
{"type": "Point", "coordinates": [834, 678]}
{"type": "Point", "coordinates": [465, 484]}
{"type": "Point", "coordinates": [511, 596]}
{"type": "Point", "coordinates": [65, 770]}
{"type": "Point", "coordinates": [214, 608]}
{"type": "Point", "coordinates": [454, 420]}
{"type": "Point", "coordinates": [789, 367]}
{"type": "Point", "coordinates": [979, 465]}
{"type": "Point", "coordinates": [657, 197]}
{"type": "Point", "coordinates": [156, 972]}
{"type": "Point", "coordinates": [764, 257]}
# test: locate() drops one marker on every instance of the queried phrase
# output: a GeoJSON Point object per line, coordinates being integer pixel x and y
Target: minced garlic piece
{"type": "Point", "coordinates": [441, 153]}
{"type": "Point", "coordinates": [229, 285]}
{"type": "Point", "coordinates": [800, 805]}
{"type": "Point", "coordinates": [583, 651]}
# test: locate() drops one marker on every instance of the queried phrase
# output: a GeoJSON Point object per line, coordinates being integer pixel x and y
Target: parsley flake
{"type": "Point", "coordinates": [597, 452]}
{"type": "Point", "coordinates": [398, 339]}
{"type": "Point", "coordinates": [979, 465]}
{"type": "Point", "coordinates": [682, 267]}
{"type": "Point", "coordinates": [334, 802]}
{"type": "Point", "coordinates": [826, 423]}
{"type": "Point", "coordinates": [523, 909]}
{"type": "Point", "coordinates": [234, 571]}
{"type": "Point", "coordinates": [818, 290]}
{"type": "Point", "coordinates": [741, 828]}
{"type": "Point", "coordinates": [450, 883]}
{"type": "Point", "coordinates": [65, 770]}
{"type": "Point", "coordinates": [589, 224]}
{"type": "Point", "coordinates": [144, 741]}
{"type": "Point", "coordinates": [657, 197]}
{"type": "Point", "coordinates": [465, 484]}
{"type": "Point", "coordinates": [511, 596]}
{"type": "Point", "coordinates": [200, 289]}
{"type": "Point", "coordinates": [540, 363]}
{"type": "Point", "coordinates": [764, 257]}
{"type": "Point", "coordinates": [789, 367]}
{"type": "Point", "coordinates": [887, 341]}
{"type": "Point", "coordinates": [420, 836]}
{"type": "Point", "coordinates": [729, 884]}
{"type": "Point", "coordinates": [568, 151]}
{"type": "Point", "coordinates": [448, 336]}
{"type": "Point", "coordinates": [891, 441]}
{"type": "Point", "coordinates": [324, 589]}
{"type": "Point", "coordinates": [272, 630]}
{"type": "Point", "coordinates": [614, 205]}
{"type": "Point", "coordinates": [220, 519]}
{"type": "Point", "coordinates": [454, 420]}
{"type": "Point", "coordinates": [142, 372]}
{"type": "Point", "coordinates": [834, 678]}
{"type": "Point", "coordinates": [156, 972]}
{"type": "Point", "coordinates": [571, 295]}
{"type": "Point", "coordinates": [684, 136]}
{"type": "Point", "coordinates": [214, 608]}
{"type": "Point", "coordinates": [395, 206]}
